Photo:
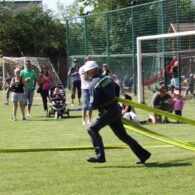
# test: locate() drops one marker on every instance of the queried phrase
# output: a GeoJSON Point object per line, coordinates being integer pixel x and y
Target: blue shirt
{"type": "Point", "coordinates": [102, 89]}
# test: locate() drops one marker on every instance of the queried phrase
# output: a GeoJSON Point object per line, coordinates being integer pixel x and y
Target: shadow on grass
{"type": "Point", "coordinates": [166, 165]}
{"type": "Point", "coordinates": [42, 118]}
{"type": "Point", "coordinates": [151, 165]}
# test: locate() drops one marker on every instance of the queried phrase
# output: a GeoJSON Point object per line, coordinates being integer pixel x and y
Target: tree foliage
{"type": "Point", "coordinates": [30, 32]}
{"type": "Point", "coordinates": [108, 5]}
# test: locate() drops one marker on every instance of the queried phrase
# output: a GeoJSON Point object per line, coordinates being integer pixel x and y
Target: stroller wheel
{"type": "Point", "coordinates": [49, 113]}
{"type": "Point", "coordinates": [68, 112]}
{"type": "Point", "coordinates": [56, 115]}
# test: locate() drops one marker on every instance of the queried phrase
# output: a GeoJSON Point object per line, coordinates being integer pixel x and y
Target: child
{"type": "Point", "coordinates": [190, 85]}
{"type": "Point", "coordinates": [57, 98]}
{"type": "Point", "coordinates": [178, 103]}
{"type": "Point", "coordinates": [6, 84]}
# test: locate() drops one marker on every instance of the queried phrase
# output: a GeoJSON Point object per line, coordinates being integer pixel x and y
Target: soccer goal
{"type": "Point", "coordinates": [10, 63]}
{"type": "Point", "coordinates": [156, 54]}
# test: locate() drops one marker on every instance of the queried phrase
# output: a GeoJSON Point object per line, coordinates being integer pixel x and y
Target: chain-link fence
{"type": "Point", "coordinates": [110, 37]}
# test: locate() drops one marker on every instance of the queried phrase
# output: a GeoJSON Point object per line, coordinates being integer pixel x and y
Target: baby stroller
{"type": "Point", "coordinates": [128, 81]}
{"type": "Point", "coordinates": [58, 106]}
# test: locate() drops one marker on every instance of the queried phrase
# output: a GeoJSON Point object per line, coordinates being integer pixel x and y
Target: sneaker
{"type": "Point", "coordinates": [6, 103]}
{"type": "Point", "coordinates": [13, 119]}
{"type": "Point", "coordinates": [28, 115]}
{"type": "Point", "coordinates": [143, 160]}
{"type": "Point", "coordinates": [99, 159]}
{"type": "Point", "coordinates": [84, 123]}
{"type": "Point", "coordinates": [23, 118]}
{"type": "Point", "coordinates": [88, 122]}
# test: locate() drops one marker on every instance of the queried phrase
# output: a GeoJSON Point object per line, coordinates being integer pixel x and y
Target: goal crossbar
{"type": "Point", "coordinates": [139, 55]}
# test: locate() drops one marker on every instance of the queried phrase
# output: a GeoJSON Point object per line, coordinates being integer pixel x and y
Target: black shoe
{"type": "Point", "coordinates": [99, 159]}
{"type": "Point", "coordinates": [143, 160]}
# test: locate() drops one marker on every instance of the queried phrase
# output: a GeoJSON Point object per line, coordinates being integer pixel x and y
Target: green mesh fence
{"type": "Point", "coordinates": [110, 37]}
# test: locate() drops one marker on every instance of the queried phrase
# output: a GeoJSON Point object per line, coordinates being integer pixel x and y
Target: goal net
{"type": "Point", "coordinates": [10, 63]}
{"type": "Point", "coordinates": [155, 66]}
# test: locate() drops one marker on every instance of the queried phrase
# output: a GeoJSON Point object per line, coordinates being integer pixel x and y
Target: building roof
{"type": "Point", "coordinates": [182, 27]}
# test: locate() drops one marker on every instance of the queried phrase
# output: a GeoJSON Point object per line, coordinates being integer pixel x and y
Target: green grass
{"type": "Point", "coordinates": [170, 170]}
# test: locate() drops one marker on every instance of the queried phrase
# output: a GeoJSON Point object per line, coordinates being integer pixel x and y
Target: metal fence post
{"type": "Point", "coordinates": [133, 51]}
{"type": "Point", "coordinates": [163, 44]}
{"type": "Point", "coordinates": [108, 39]}
{"type": "Point", "coordinates": [68, 52]}
{"type": "Point", "coordinates": [178, 45]}
{"type": "Point", "coordinates": [86, 41]}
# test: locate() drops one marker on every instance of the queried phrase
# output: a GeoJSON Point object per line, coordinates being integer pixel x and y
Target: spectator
{"type": "Point", "coordinates": [18, 85]}
{"type": "Point", "coordinates": [85, 84]}
{"type": "Point", "coordinates": [105, 70]}
{"type": "Point", "coordinates": [160, 100]}
{"type": "Point", "coordinates": [175, 76]}
{"type": "Point", "coordinates": [160, 79]}
{"type": "Point", "coordinates": [45, 80]}
{"type": "Point", "coordinates": [190, 85]}
{"type": "Point", "coordinates": [178, 103]}
{"type": "Point", "coordinates": [76, 80]}
{"type": "Point", "coordinates": [126, 108]}
{"type": "Point", "coordinates": [29, 76]}
{"type": "Point", "coordinates": [6, 85]}
{"type": "Point", "coordinates": [128, 112]}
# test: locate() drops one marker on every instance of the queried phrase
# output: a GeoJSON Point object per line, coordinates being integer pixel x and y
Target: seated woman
{"type": "Point", "coordinates": [57, 98]}
{"type": "Point", "coordinates": [128, 112]}
{"type": "Point", "coordinates": [126, 108]}
{"type": "Point", "coordinates": [105, 70]}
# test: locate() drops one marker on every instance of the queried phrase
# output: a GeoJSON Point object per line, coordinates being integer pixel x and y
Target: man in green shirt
{"type": "Point", "coordinates": [29, 76]}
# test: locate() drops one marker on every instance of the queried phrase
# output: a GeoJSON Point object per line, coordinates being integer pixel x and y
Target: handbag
{"type": "Point", "coordinates": [39, 89]}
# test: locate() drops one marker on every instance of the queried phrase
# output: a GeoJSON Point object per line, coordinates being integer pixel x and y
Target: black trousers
{"type": "Point", "coordinates": [45, 95]}
{"type": "Point", "coordinates": [76, 85]}
{"type": "Point", "coordinates": [112, 117]}
{"type": "Point", "coordinates": [178, 112]}
{"type": "Point", "coordinates": [8, 92]}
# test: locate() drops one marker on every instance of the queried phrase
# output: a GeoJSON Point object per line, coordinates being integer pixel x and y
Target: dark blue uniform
{"type": "Point", "coordinates": [102, 96]}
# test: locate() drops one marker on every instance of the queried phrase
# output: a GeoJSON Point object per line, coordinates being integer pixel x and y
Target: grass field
{"type": "Point", "coordinates": [170, 170]}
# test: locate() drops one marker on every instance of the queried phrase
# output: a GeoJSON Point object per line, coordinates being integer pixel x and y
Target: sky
{"type": "Point", "coordinates": [52, 4]}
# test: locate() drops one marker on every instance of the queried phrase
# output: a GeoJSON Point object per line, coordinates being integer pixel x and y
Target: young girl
{"type": "Point", "coordinates": [178, 103]}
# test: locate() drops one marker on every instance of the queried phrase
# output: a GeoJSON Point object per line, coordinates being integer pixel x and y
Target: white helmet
{"type": "Point", "coordinates": [90, 65]}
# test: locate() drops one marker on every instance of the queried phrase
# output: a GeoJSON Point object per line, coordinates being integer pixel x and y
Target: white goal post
{"type": "Point", "coordinates": [139, 55]}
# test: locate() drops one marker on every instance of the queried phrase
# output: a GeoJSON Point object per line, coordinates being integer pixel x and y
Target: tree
{"type": "Point", "coordinates": [70, 11]}
{"type": "Point", "coordinates": [108, 5]}
{"type": "Point", "coordinates": [31, 32]}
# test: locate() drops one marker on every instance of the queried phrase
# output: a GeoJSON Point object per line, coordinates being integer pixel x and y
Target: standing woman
{"type": "Point", "coordinates": [45, 80]}
{"type": "Point", "coordinates": [18, 85]}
